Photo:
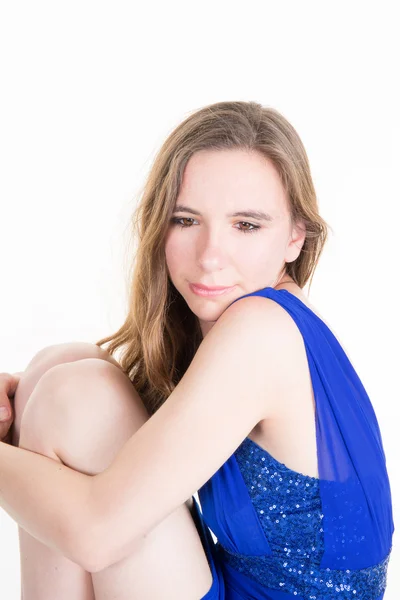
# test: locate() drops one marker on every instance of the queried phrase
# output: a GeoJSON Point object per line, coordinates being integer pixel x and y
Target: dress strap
{"type": "Point", "coordinates": [355, 492]}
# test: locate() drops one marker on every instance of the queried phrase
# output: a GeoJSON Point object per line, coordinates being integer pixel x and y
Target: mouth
{"type": "Point", "coordinates": [202, 290]}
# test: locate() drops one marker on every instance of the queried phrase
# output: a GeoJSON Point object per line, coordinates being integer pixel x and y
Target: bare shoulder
{"type": "Point", "coordinates": [257, 331]}
{"type": "Point", "coordinates": [268, 342]}
{"type": "Point", "coordinates": [259, 317]}
{"type": "Point", "coordinates": [248, 347]}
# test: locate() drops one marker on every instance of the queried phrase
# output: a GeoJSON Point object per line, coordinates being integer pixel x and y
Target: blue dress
{"type": "Point", "coordinates": [282, 535]}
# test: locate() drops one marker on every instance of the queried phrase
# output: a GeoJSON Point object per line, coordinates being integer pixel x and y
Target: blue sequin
{"type": "Point", "coordinates": [289, 508]}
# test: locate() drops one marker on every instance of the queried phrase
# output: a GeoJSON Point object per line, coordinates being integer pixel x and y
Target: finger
{"type": "Point", "coordinates": [5, 410]}
{"type": "Point", "coordinates": [5, 432]}
{"type": "Point", "coordinates": [8, 438]}
{"type": "Point", "coordinates": [12, 383]}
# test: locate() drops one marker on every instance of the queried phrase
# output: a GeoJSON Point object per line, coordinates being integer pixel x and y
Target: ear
{"type": "Point", "coordinates": [298, 235]}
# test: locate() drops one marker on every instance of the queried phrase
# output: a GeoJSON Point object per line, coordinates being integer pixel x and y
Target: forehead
{"type": "Point", "coordinates": [231, 178]}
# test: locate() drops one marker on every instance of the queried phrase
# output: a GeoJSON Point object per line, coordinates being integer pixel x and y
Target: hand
{"type": "Point", "coordinates": [8, 386]}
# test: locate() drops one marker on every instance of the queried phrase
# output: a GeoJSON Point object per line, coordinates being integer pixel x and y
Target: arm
{"type": "Point", "coordinates": [228, 388]}
{"type": "Point", "coordinates": [234, 381]}
{"type": "Point", "coordinates": [47, 499]}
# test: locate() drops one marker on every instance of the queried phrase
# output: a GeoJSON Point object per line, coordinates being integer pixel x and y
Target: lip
{"type": "Point", "coordinates": [202, 290]}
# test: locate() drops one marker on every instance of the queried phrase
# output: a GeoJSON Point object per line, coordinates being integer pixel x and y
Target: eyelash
{"type": "Point", "coordinates": [175, 221]}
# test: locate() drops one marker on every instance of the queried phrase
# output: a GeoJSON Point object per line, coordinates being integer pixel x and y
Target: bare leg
{"type": "Point", "coordinates": [82, 413]}
{"type": "Point", "coordinates": [42, 570]}
{"type": "Point", "coordinates": [44, 360]}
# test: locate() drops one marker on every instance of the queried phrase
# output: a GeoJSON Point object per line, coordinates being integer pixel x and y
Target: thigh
{"type": "Point", "coordinates": [46, 574]}
{"type": "Point", "coordinates": [83, 413]}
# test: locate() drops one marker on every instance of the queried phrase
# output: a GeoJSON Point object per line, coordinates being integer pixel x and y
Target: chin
{"type": "Point", "coordinates": [207, 312]}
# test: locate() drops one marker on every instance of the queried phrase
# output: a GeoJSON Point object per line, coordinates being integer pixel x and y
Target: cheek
{"type": "Point", "coordinates": [253, 255]}
{"type": "Point", "coordinates": [175, 252]}
{"type": "Point", "coordinates": [258, 257]}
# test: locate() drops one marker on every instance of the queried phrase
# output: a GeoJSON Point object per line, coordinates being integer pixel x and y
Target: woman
{"type": "Point", "coordinates": [253, 404]}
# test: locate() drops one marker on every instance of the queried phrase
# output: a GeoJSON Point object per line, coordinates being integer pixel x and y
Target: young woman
{"type": "Point", "coordinates": [252, 404]}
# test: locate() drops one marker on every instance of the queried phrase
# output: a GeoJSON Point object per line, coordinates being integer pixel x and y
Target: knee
{"type": "Point", "coordinates": [83, 412]}
{"type": "Point", "coordinates": [90, 386]}
{"type": "Point", "coordinates": [46, 359]}
{"type": "Point", "coordinates": [55, 354]}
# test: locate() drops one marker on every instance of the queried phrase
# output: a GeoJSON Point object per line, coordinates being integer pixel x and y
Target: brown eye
{"type": "Point", "coordinates": [177, 221]}
{"type": "Point", "coordinates": [255, 227]}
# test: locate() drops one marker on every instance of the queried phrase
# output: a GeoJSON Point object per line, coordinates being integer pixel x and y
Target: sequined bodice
{"type": "Point", "coordinates": [289, 509]}
{"type": "Point", "coordinates": [288, 503]}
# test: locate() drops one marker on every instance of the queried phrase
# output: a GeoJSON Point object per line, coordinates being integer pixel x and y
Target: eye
{"type": "Point", "coordinates": [177, 221]}
{"type": "Point", "coordinates": [255, 227]}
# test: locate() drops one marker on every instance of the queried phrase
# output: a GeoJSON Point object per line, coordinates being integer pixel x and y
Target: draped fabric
{"type": "Point", "coordinates": [351, 494]}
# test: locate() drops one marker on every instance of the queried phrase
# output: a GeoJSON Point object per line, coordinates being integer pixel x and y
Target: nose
{"type": "Point", "coordinates": [212, 252]}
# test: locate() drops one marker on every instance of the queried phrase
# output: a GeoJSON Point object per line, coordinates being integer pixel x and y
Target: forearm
{"type": "Point", "coordinates": [47, 499]}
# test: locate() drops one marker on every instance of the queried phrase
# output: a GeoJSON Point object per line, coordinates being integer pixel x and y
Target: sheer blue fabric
{"type": "Point", "coordinates": [283, 535]}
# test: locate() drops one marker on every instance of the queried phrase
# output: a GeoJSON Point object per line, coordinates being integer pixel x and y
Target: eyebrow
{"type": "Point", "coordinates": [251, 214]}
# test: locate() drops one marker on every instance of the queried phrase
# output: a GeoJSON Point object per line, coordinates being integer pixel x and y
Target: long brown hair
{"type": "Point", "coordinates": [160, 334]}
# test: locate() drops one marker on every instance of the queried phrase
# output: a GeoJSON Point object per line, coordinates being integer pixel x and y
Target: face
{"type": "Point", "coordinates": [206, 244]}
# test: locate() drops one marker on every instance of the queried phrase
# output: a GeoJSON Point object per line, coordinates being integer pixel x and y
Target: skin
{"type": "Point", "coordinates": [78, 409]}
{"type": "Point", "coordinates": [180, 446]}
{"type": "Point", "coordinates": [217, 250]}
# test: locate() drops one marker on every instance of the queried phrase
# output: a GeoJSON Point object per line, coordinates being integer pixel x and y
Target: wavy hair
{"type": "Point", "coordinates": [161, 335]}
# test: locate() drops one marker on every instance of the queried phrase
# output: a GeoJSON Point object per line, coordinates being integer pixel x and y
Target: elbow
{"type": "Point", "coordinates": [89, 556]}
{"type": "Point", "coordinates": [102, 540]}
{"type": "Point", "coordinates": [96, 559]}
{"type": "Point", "coordinates": [94, 546]}
{"type": "Point", "coordinates": [90, 550]}
{"type": "Point", "coordinates": [98, 551]}
{"type": "Point", "coordinates": [90, 561]}
{"type": "Point", "coordinates": [85, 543]}
{"type": "Point", "coordinates": [93, 564]}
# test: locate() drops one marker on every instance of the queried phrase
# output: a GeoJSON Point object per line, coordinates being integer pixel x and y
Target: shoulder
{"type": "Point", "coordinates": [259, 318]}
{"type": "Point", "coordinates": [264, 335]}
{"type": "Point", "coordinates": [251, 352]}
{"type": "Point", "coordinates": [256, 335]}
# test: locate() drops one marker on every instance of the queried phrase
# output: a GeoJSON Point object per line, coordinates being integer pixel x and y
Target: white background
{"type": "Point", "coordinates": [89, 91]}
